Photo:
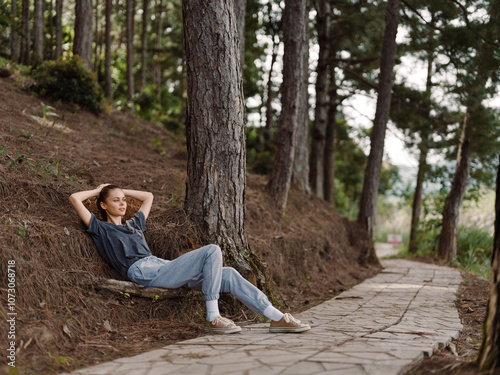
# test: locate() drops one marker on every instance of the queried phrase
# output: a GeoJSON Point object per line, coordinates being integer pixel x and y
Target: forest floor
{"type": "Point", "coordinates": [312, 253]}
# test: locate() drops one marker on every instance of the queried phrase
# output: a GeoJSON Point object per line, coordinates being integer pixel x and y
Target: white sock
{"type": "Point", "coordinates": [273, 313]}
{"type": "Point", "coordinates": [212, 310]}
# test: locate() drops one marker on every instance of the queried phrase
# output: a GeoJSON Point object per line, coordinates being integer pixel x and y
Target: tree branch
{"type": "Point", "coordinates": [360, 77]}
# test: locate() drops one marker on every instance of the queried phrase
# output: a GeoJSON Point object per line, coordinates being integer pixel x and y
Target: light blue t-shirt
{"type": "Point", "coordinates": [120, 245]}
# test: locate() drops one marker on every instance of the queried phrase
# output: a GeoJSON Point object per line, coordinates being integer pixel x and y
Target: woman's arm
{"type": "Point", "coordinates": [77, 199]}
{"type": "Point", "coordinates": [144, 196]}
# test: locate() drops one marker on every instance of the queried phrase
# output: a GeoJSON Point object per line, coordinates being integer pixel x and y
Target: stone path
{"type": "Point", "coordinates": [381, 326]}
{"type": "Point", "coordinates": [385, 250]}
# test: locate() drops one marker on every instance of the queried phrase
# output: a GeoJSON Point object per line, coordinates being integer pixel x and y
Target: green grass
{"type": "Point", "coordinates": [474, 251]}
{"type": "Point", "coordinates": [474, 248]}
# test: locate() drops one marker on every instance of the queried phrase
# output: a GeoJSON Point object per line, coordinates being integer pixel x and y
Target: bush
{"type": "Point", "coordinates": [68, 80]}
{"type": "Point", "coordinates": [474, 250]}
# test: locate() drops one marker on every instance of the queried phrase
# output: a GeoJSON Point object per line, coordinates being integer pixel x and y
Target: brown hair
{"type": "Point", "coordinates": [103, 195]}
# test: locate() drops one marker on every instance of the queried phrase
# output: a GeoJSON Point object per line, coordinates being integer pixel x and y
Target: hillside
{"type": "Point", "coordinates": [311, 252]}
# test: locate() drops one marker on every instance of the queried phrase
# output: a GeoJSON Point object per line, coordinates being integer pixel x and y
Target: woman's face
{"type": "Point", "coordinates": [116, 203]}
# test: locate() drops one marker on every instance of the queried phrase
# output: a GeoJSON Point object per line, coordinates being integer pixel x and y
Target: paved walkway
{"type": "Point", "coordinates": [381, 326]}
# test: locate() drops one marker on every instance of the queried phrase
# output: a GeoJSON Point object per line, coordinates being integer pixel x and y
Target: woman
{"type": "Point", "coordinates": [124, 247]}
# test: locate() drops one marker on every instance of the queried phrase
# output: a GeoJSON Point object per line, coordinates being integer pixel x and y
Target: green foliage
{"type": "Point", "coordinates": [63, 360]}
{"type": "Point", "coordinates": [260, 157]}
{"type": "Point", "coordinates": [350, 162]}
{"type": "Point", "coordinates": [68, 80]}
{"type": "Point", "coordinates": [125, 294]}
{"type": "Point", "coordinates": [16, 68]}
{"type": "Point", "coordinates": [48, 111]}
{"type": "Point", "coordinates": [22, 232]}
{"type": "Point", "coordinates": [159, 146]}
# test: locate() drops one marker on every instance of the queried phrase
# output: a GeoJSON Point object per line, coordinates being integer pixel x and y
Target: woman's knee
{"type": "Point", "coordinates": [214, 251]}
{"type": "Point", "coordinates": [229, 277]}
{"type": "Point", "coordinates": [229, 273]}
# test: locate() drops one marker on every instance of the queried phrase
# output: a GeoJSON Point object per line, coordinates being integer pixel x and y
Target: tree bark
{"type": "Point", "coordinates": [240, 7]}
{"type": "Point", "coordinates": [59, 8]}
{"type": "Point", "coordinates": [300, 176]}
{"type": "Point", "coordinates": [422, 163]}
{"type": "Point", "coordinates": [14, 37]}
{"type": "Point", "coordinates": [215, 129]}
{"type": "Point", "coordinates": [51, 53]}
{"type": "Point", "coordinates": [158, 75]}
{"type": "Point", "coordinates": [130, 48]}
{"type": "Point", "coordinates": [270, 97]}
{"type": "Point", "coordinates": [26, 40]}
{"type": "Point", "coordinates": [447, 248]}
{"type": "Point", "coordinates": [371, 180]}
{"type": "Point", "coordinates": [38, 26]}
{"type": "Point", "coordinates": [417, 197]}
{"type": "Point", "coordinates": [96, 36]}
{"type": "Point", "coordinates": [329, 162]}
{"type": "Point", "coordinates": [144, 39]}
{"type": "Point", "coordinates": [321, 111]}
{"type": "Point", "coordinates": [489, 353]}
{"type": "Point", "coordinates": [182, 90]}
{"type": "Point", "coordinates": [108, 88]}
{"type": "Point", "coordinates": [294, 19]}
{"type": "Point", "coordinates": [82, 45]}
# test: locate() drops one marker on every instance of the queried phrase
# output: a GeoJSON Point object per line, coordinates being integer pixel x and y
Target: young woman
{"type": "Point", "coordinates": [123, 246]}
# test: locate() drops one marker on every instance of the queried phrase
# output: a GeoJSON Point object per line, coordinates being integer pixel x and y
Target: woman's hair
{"type": "Point", "coordinates": [103, 195]}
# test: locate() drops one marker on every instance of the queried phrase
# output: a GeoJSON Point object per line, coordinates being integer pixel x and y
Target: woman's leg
{"type": "Point", "coordinates": [204, 264]}
{"type": "Point", "coordinates": [243, 290]}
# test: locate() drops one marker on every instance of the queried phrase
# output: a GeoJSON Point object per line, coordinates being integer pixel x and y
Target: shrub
{"type": "Point", "coordinates": [68, 80]}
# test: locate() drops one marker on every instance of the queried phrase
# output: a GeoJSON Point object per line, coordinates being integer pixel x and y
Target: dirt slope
{"type": "Point", "coordinates": [312, 252]}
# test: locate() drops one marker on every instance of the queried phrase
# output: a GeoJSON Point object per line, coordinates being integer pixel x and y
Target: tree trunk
{"type": "Point", "coordinates": [417, 197]}
{"type": "Point", "coordinates": [82, 45]}
{"type": "Point", "coordinates": [96, 36]}
{"type": "Point", "coordinates": [300, 176]}
{"type": "Point", "coordinates": [108, 88]}
{"type": "Point", "coordinates": [14, 37]}
{"type": "Point", "coordinates": [371, 180]}
{"type": "Point", "coordinates": [321, 111]}
{"type": "Point", "coordinates": [329, 162]}
{"type": "Point", "coordinates": [144, 47]}
{"type": "Point", "coordinates": [130, 48]}
{"type": "Point", "coordinates": [294, 19]}
{"type": "Point", "coordinates": [50, 54]}
{"type": "Point", "coordinates": [158, 75]}
{"type": "Point", "coordinates": [182, 89]}
{"type": "Point", "coordinates": [422, 163]}
{"type": "Point", "coordinates": [489, 353]}
{"type": "Point", "coordinates": [25, 41]}
{"type": "Point", "coordinates": [240, 7]}
{"type": "Point", "coordinates": [270, 97]}
{"type": "Point", "coordinates": [447, 247]}
{"type": "Point", "coordinates": [215, 129]}
{"type": "Point", "coordinates": [59, 8]}
{"type": "Point", "coordinates": [38, 26]}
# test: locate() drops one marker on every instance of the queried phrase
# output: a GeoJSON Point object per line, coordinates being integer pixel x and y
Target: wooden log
{"type": "Point", "coordinates": [133, 288]}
